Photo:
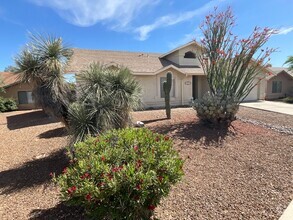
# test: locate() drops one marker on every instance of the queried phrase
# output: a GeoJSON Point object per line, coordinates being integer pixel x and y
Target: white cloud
{"type": "Point", "coordinates": [284, 30]}
{"type": "Point", "coordinates": [172, 19]}
{"type": "Point", "coordinates": [89, 12]}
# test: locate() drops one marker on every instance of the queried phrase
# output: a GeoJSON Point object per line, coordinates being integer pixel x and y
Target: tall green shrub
{"type": "Point", "coordinates": [121, 174]}
{"type": "Point", "coordinates": [167, 88]}
{"type": "Point", "coordinates": [231, 64]}
{"type": "Point", "coordinates": [7, 104]}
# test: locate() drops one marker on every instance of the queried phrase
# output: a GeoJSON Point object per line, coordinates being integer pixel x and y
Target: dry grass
{"type": "Point", "coordinates": [241, 173]}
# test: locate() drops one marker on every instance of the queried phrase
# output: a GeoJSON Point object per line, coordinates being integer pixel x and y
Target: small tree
{"type": "Point", "coordinates": [2, 90]}
{"type": "Point", "coordinates": [42, 63]}
{"type": "Point", "coordinates": [231, 65]}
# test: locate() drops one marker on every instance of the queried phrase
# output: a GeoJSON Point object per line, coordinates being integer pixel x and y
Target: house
{"type": "Point", "coordinates": [21, 92]}
{"type": "Point", "coordinates": [279, 84]}
{"type": "Point", "coordinates": [150, 69]}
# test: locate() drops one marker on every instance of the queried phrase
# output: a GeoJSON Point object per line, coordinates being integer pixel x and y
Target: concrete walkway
{"type": "Point", "coordinates": [288, 213]}
{"type": "Point", "coordinates": [279, 107]}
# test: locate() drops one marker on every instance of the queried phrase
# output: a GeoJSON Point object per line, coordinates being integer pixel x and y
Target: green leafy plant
{"type": "Point", "coordinates": [167, 88]}
{"type": "Point", "coordinates": [106, 96]}
{"type": "Point", "coordinates": [233, 66]}
{"type": "Point", "coordinates": [122, 174]}
{"type": "Point", "coordinates": [289, 61]}
{"type": "Point", "coordinates": [7, 104]}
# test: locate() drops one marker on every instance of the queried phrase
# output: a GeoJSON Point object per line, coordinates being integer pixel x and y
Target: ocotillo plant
{"type": "Point", "coordinates": [167, 88]}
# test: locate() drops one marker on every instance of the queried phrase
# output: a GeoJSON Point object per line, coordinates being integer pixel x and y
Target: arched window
{"type": "Point", "coordinates": [189, 55]}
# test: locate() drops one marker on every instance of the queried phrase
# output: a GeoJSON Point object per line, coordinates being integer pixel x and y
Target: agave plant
{"type": "Point", "coordinates": [42, 63]}
{"type": "Point", "coordinates": [105, 98]}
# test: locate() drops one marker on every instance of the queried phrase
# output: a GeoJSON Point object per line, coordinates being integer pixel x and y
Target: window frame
{"type": "Point", "coordinates": [277, 86]}
{"type": "Point", "coordinates": [187, 55]}
{"type": "Point", "coordinates": [28, 97]}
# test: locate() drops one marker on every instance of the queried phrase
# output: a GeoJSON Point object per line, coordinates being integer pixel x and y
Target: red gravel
{"type": "Point", "coordinates": [241, 173]}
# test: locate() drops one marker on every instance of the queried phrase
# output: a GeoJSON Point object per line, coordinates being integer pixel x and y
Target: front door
{"type": "Point", "coordinates": [195, 87]}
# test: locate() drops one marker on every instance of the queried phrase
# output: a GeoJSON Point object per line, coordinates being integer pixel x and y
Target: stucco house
{"type": "Point", "coordinates": [150, 69]}
{"type": "Point", "coordinates": [279, 83]}
{"type": "Point", "coordinates": [21, 92]}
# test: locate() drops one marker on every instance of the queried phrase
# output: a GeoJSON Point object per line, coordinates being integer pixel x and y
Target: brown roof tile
{"type": "Point", "coordinates": [9, 78]}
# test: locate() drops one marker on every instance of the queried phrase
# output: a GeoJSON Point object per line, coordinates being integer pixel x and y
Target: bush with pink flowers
{"type": "Point", "coordinates": [122, 174]}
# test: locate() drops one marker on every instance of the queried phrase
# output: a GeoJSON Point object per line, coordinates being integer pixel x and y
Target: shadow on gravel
{"type": "Point", "coordinates": [57, 132]}
{"type": "Point", "coordinates": [28, 120]}
{"type": "Point", "coordinates": [60, 211]}
{"type": "Point", "coordinates": [195, 131]}
{"type": "Point", "coordinates": [154, 120]}
{"type": "Point", "coordinates": [35, 172]}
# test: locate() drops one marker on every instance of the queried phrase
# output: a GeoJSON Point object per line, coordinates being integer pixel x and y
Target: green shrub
{"type": "Point", "coordinates": [288, 99]}
{"type": "Point", "coordinates": [7, 104]}
{"type": "Point", "coordinates": [121, 174]}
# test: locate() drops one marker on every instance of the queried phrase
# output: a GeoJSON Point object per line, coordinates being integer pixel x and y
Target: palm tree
{"type": "Point", "coordinates": [290, 62]}
{"type": "Point", "coordinates": [42, 62]}
{"type": "Point", "coordinates": [105, 98]}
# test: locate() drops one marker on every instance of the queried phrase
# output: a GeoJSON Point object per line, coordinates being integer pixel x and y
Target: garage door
{"type": "Point", "coordinates": [253, 95]}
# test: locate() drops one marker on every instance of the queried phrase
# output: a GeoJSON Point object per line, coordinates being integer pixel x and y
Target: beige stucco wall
{"type": "Point", "coordinates": [178, 56]}
{"type": "Point", "coordinates": [12, 92]}
{"type": "Point", "coordinates": [287, 86]}
{"type": "Point", "coordinates": [151, 89]}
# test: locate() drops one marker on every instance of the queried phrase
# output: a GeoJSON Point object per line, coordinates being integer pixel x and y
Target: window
{"type": "Point", "coordinates": [25, 97]}
{"type": "Point", "coordinates": [172, 92]}
{"type": "Point", "coordinates": [277, 87]}
{"type": "Point", "coordinates": [189, 55]}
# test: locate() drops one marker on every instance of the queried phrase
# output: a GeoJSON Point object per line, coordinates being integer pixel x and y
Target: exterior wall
{"type": "Point", "coordinates": [12, 92]}
{"type": "Point", "coordinates": [287, 86]}
{"type": "Point", "coordinates": [151, 89]}
{"type": "Point", "coordinates": [178, 57]}
{"type": "Point", "coordinates": [203, 86]}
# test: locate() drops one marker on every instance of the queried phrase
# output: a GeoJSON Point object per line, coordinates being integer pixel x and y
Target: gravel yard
{"type": "Point", "coordinates": [241, 173]}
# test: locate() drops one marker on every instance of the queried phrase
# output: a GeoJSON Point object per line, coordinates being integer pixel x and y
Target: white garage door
{"type": "Point", "coordinates": [253, 95]}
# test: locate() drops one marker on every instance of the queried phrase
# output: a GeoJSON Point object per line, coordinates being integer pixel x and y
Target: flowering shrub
{"type": "Point", "coordinates": [233, 65]}
{"type": "Point", "coordinates": [215, 109]}
{"type": "Point", "coordinates": [121, 174]}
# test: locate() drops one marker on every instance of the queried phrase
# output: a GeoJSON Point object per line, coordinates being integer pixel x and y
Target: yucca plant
{"type": "Point", "coordinates": [230, 64]}
{"type": "Point", "coordinates": [42, 63]}
{"type": "Point", "coordinates": [105, 98]}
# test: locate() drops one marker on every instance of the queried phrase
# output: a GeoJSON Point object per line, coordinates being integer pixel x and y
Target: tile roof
{"type": "Point", "coordinates": [9, 78]}
{"type": "Point", "coordinates": [277, 70]}
{"type": "Point", "coordinates": [140, 63]}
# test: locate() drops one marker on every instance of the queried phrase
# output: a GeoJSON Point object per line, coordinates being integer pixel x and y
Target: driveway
{"type": "Point", "coordinates": [279, 107]}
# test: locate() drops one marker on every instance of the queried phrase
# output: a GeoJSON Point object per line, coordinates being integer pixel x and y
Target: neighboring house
{"type": "Point", "coordinates": [21, 92]}
{"type": "Point", "coordinates": [150, 69]}
{"type": "Point", "coordinates": [279, 84]}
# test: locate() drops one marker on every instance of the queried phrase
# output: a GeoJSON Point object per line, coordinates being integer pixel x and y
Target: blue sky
{"type": "Point", "coordinates": [136, 25]}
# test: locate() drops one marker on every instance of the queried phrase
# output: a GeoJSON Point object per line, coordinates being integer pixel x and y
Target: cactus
{"type": "Point", "coordinates": [167, 88]}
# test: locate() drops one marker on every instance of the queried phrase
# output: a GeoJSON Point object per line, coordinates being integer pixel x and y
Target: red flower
{"type": "Point", "coordinates": [103, 158]}
{"type": "Point", "coordinates": [151, 207]}
{"type": "Point", "coordinates": [110, 176]}
{"type": "Point", "coordinates": [71, 190]}
{"type": "Point", "coordinates": [135, 148]}
{"type": "Point", "coordinates": [138, 164]}
{"type": "Point", "coordinates": [64, 170]}
{"type": "Point", "coordinates": [160, 178]}
{"type": "Point", "coordinates": [85, 176]}
{"type": "Point", "coordinates": [117, 169]}
{"type": "Point", "coordinates": [157, 138]}
{"type": "Point", "coordinates": [88, 197]}
{"type": "Point", "coordinates": [166, 138]}
{"type": "Point", "coordinates": [51, 174]}
{"type": "Point", "coordinates": [138, 187]}
{"type": "Point", "coordinates": [101, 184]}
